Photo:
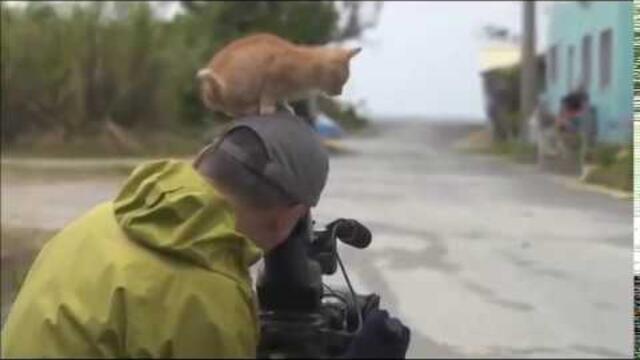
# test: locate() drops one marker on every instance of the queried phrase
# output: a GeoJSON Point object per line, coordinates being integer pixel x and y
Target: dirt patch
{"type": "Point", "coordinates": [479, 140]}
{"type": "Point", "coordinates": [19, 243]}
{"type": "Point", "coordinates": [20, 246]}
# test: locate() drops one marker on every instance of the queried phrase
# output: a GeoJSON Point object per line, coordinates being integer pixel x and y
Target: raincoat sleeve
{"type": "Point", "coordinates": [199, 318]}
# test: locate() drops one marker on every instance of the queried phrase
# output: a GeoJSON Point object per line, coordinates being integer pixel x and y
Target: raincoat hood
{"type": "Point", "coordinates": [169, 207]}
{"type": "Point", "coordinates": [159, 272]}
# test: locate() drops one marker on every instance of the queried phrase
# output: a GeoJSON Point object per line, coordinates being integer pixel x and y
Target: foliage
{"type": "Point", "coordinates": [74, 68]}
{"type": "Point", "coordinates": [603, 154]}
{"type": "Point", "coordinates": [502, 89]}
{"type": "Point", "coordinates": [516, 150]}
{"type": "Point", "coordinates": [19, 249]}
{"type": "Point", "coordinates": [301, 22]}
{"type": "Point", "coordinates": [70, 69]}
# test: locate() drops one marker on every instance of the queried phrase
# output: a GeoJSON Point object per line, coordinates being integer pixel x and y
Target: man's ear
{"type": "Point", "coordinates": [286, 220]}
{"type": "Point", "coordinates": [301, 210]}
{"type": "Point", "coordinates": [297, 211]}
{"type": "Point", "coordinates": [290, 216]}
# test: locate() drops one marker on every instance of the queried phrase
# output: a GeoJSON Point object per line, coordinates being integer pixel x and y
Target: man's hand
{"type": "Point", "coordinates": [380, 337]}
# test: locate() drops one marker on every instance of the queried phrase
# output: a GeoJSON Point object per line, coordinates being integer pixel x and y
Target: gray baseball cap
{"type": "Point", "coordinates": [298, 162]}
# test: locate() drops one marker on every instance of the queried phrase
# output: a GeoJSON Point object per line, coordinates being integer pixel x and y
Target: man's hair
{"type": "Point", "coordinates": [247, 185]}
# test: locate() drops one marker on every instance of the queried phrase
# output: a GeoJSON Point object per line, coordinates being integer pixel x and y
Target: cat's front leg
{"type": "Point", "coordinates": [267, 106]}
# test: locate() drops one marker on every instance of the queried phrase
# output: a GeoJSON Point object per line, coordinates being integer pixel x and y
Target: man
{"type": "Point", "coordinates": [163, 269]}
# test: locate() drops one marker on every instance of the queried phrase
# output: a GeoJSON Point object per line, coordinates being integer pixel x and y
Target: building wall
{"type": "Point", "coordinates": [569, 23]}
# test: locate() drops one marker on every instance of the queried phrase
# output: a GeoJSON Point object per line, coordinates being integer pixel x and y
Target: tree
{"type": "Point", "coordinates": [309, 22]}
{"type": "Point", "coordinates": [214, 24]}
{"type": "Point", "coordinates": [357, 21]}
{"type": "Point", "coordinates": [73, 67]}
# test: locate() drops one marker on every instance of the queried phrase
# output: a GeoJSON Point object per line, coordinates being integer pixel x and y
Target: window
{"type": "Point", "coordinates": [605, 60]}
{"type": "Point", "coordinates": [586, 62]}
{"type": "Point", "coordinates": [570, 57]}
{"type": "Point", "coordinates": [553, 64]}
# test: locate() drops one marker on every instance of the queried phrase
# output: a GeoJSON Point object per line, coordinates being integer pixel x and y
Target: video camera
{"type": "Point", "coordinates": [300, 316]}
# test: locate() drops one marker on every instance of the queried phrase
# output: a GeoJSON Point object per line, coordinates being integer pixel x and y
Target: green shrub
{"type": "Point", "coordinates": [603, 155]}
{"type": "Point", "coordinates": [516, 150]}
{"type": "Point", "coordinates": [614, 168]}
{"type": "Point", "coordinates": [70, 67]}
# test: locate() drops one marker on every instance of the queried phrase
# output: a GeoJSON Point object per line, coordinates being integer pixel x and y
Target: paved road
{"type": "Point", "coordinates": [482, 257]}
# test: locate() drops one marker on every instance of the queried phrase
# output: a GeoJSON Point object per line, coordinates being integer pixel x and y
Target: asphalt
{"type": "Point", "coordinates": [480, 256]}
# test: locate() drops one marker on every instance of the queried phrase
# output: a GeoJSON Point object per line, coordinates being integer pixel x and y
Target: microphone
{"type": "Point", "coordinates": [352, 232]}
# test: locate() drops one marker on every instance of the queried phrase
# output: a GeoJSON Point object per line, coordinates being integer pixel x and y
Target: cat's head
{"type": "Point", "coordinates": [334, 70]}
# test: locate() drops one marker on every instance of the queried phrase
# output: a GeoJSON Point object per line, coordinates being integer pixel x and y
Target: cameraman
{"type": "Point", "coordinates": [163, 269]}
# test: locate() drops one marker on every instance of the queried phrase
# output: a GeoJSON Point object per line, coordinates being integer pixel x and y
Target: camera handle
{"type": "Point", "coordinates": [289, 282]}
{"type": "Point", "coordinates": [290, 292]}
{"type": "Point", "coordinates": [295, 321]}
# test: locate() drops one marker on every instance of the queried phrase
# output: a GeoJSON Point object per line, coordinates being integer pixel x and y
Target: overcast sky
{"type": "Point", "coordinates": [424, 59]}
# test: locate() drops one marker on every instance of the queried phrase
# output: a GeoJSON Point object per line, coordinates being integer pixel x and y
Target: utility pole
{"type": "Point", "coordinates": [528, 68]}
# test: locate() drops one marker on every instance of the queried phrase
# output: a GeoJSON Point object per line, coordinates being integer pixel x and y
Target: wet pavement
{"type": "Point", "coordinates": [479, 256]}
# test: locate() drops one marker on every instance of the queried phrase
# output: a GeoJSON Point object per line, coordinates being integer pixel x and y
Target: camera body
{"type": "Point", "coordinates": [299, 315]}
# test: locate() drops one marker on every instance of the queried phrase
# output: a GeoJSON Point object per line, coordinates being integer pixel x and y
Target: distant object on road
{"type": "Point", "coordinates": [327, 127]}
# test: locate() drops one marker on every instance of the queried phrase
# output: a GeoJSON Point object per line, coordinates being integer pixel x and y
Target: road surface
{"type": "Point", "coordinates": [483, 257]}
{"type": "Point", "coordinates": [479, 256]}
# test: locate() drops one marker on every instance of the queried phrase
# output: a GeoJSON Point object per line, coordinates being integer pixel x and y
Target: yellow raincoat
{"type": "Point", "coordinates": [158, 272]}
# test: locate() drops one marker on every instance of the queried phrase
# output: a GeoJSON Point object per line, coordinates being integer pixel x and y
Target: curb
{"type": "Point", "coordinates": [577, 184]}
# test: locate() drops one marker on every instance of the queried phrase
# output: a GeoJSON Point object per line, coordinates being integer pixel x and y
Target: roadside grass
{"type": "Point", "coordinates": [517, 151]}
{"type": "Point", "coordinates": [612, 166]}
{"type": "Point", "coordinates": [180, 142]}
{"type": "Point", "coordinates": [608, 165]}
{"type": "Point", "coordinates": [151, 145]}
{"type": "Point", "coordinates": [20, 240]}
{"type": "Point", "coordinates": [25, 171]}
{"type": "Point", "coordinates": [480, 143]}
{"type": "Point", "coordinates": [20, 246]}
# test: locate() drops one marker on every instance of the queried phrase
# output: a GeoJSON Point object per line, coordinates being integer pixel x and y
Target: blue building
{"type": "Point", "coordinates": [591, 45]}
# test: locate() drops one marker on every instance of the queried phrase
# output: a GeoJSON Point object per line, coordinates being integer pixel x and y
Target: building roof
{"type": "Point", "coordinates": [499, 56]}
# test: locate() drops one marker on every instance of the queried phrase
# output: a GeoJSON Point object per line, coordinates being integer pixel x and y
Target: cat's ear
{"type": "Point", "coordinates": [353, 52]}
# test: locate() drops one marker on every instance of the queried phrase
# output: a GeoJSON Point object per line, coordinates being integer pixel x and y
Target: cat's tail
{"type": "Point", "coordinates": [212, 87]}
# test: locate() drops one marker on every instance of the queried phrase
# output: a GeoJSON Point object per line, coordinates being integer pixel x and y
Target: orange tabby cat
{"type": "Point", "coordinates": [252, 74]}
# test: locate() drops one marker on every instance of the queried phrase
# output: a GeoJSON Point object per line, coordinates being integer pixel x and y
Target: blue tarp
{"type": "Point", "coordinates": [328, 128]}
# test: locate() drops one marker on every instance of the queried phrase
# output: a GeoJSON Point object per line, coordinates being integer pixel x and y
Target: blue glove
{"type": "Point", "coordinates": [380, 337]}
